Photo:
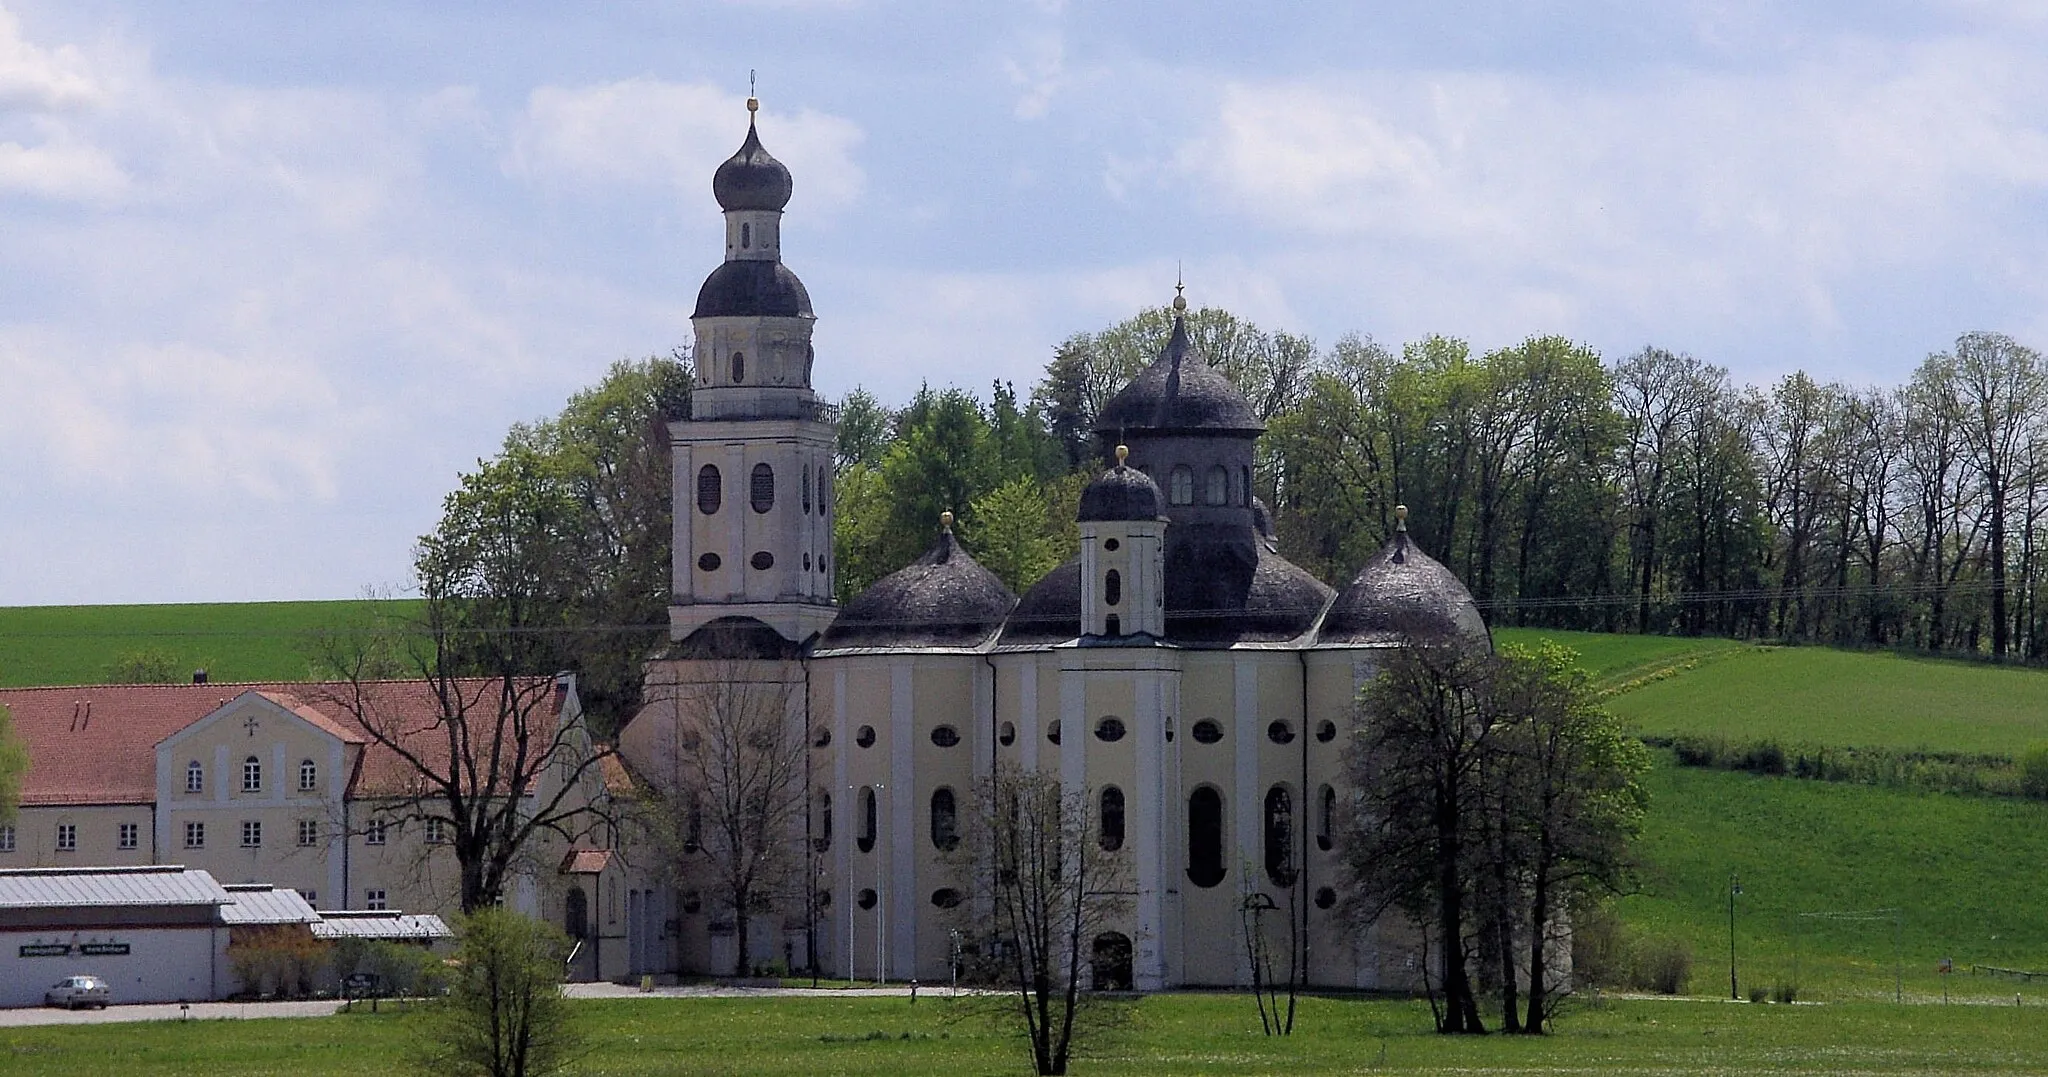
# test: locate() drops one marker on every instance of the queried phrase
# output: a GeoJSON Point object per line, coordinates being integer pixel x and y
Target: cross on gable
{"type": "Point", "coordinates": [250, 725]}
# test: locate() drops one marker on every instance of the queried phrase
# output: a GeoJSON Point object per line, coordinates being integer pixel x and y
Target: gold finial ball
{"type": "Point", "coordinates": [946, 520]}
{"type": "Point", "coordinates": [1180, 304]}
{"type": "Point", "coordinates": [1401, 513]}
{"type": "Point", "coordinates": [753, 104]}
{"type": "Point", "coordinates": [1122, 453]}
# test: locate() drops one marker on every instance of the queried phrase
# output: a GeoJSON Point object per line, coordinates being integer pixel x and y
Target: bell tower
{"type": "Point", "coordinates": [753, 463]}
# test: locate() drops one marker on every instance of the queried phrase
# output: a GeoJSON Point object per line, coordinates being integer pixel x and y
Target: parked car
{"type": "Point", "coordinates": [71, 992]}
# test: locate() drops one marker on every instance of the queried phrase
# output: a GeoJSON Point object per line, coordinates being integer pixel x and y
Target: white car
{"type": "Point", "coordinates": [71, 992]}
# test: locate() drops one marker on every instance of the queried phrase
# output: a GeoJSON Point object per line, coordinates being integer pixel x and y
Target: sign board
{"type": "Point", "coordinates": [46, 949]}
{"type": "Point", "coordinates": [104, 949]}
{"type": "Point", "coordinates": [362, 981]}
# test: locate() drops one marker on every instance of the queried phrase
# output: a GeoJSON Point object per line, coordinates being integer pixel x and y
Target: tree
{"type": "Point", "coordinates": [863, 430]}
{"type": "Point", "coordinates": [2002, 388]}
{"type": "Point", "coordinates": [728, 787]}
{"type": "Point", "coordinates": [1049, 892]}
{"type": "Point", "coordinates": [148, 665]}
{"type": "Point", "coordinates": [1416, 762]}
{"type": "Point", "coordinates": [505, 1015]}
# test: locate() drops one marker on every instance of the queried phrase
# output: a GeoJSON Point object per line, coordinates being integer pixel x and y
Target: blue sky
{"type": "Point", "coordinates": [274, 273]}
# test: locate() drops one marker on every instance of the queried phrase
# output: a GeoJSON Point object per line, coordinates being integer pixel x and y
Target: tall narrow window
{"type": "Point", "coordinates": [252, 775]}
{"type": "Point", "coordinates": [807, 489]}
{"type": "Point", "coordinates": [195, 777]}
{"type": "Point", "coordinates": [67, 837]}
{"type": "Point", "coordinates": [865, 840]}
{"type": "Point", "coordinates": [1326, 818]}
{"type": "Point", "coordinates": [7, 838]}
{"type": "Point", "coordinates": [824, 488]}
{"type": "Point", "coordinates": [739, 367]}
{"type": "Point", "coordinates": [1183, 486]}
{"type": "Point", "coordinates": [1110, 826]}
{"type": "Point", "coordinates": [1246, 493]}
{"type": "Point", "coordinates": [1218, 492]}
{"type": "Point", "coordinates": [252, 834]}
{"type": "Point", "coordinates": [1205, 837]}
{"type": "Point", "coordinates": [1280, 836]}
{"type": "Point", "coordinates": [710, 489]}
{"type": "Point", "coordinates": [1112, 587]}
{"type": "Point", "coordinates": [576, 913]}
{"type": "Point", "coordinates": [761, 490]}
{"type": "Point", "coordinates": [309, 776]}
{"type": "Point", "coordinates": [945, 820]}
{"type": "Point", "coordinates": [746, 235]}
{"type": "Point", "coordinates": [821, 837]}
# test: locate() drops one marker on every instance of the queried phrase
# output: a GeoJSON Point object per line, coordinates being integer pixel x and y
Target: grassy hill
{"type": "Point", "coordinates": [249, 641]}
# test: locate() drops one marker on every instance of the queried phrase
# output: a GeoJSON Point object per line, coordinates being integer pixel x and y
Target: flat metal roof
{"type": "Point", "coordinates": [261, 903]}
{"type": "Point", "coordinates": [149, 885]}
{"type": "Point", "coordinates": [355, 924]}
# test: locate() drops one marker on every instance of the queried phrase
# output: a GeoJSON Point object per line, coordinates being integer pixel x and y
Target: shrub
{"type": "Point", "coordinates": [505, 1015]}
{"type": "Point", "coordinates": [275, 959]}
{"type": "Point", "coordinates": [1661, 964]}
{"type": "Point", "coordinates": [2034, 772]}
{"type": "Point", "coordinates": [1599, 948]}
{"type": "Point", "coordinates": [1759, 993]}
{"type": "Point", "coordinates": [1787, 993]}
{"type": "Point", "coordinates": [401, 969]}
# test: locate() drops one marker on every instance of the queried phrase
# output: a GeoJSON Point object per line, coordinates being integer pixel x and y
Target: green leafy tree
{"type": "Point", "coordinates": [505, 1015]}
{"type": "Point", "coordinates": [1010, 536]}
{"type": "Point", "coordinates": [148, 665]}
{"type": "Point", "coordinates": [863, 430]}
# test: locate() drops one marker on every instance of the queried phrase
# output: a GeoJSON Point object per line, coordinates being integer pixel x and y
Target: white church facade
{"type": "Point", "coordinates": [1179, 673]}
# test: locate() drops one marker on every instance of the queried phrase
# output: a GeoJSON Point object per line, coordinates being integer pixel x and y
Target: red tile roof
{"type": "Point", "coordinates": [586, 861]}
{"type": "Point", "coordinates": [96, 744]}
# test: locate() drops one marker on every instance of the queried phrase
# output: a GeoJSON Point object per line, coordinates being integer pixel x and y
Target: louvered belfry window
{"type": "Point", "coordinates": [710, 490]}
{"type": "Point", "coordinates": [761, 488]}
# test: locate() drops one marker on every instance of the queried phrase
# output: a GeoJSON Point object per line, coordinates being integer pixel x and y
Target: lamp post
{"type": "Point", "coordinates": [881, 887]}
{"type": "Point", "coordinates": [1734, 891]}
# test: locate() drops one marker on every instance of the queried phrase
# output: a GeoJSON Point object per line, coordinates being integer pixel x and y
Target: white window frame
{"type": "Point", "coordinates": [252, 833]}
{"type": "Point", "coordinates": [309, 776]}
{"type": "Point", "coordinates": [195, 835]}
{"type": "Point", "coordinates": [130, 836]}
{"type": "Point", "coordinates": [252, 775]}
{"type": "Point", "coordinates": [373, 834]}
{"type": "Point", "coordinates": [309, 832]}
{"type": "Point", "coordinates": [195, 777]}
{"type": "Point", "coordinates": [67, 837]}
{"type": "Point", "coordinates": [437, 831]}
{"type": "Point", "coordinates": [374, 900]}
{"type": "Point", "coordinates": [7, 838]}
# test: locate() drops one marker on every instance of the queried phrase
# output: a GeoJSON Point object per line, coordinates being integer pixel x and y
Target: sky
{"type": "Point", "coordinates": [273, 275]}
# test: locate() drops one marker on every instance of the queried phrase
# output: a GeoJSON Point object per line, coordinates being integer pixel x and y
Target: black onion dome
{"type": "Point", "coordinates": [1403, 595]}
{"type": "Point", "coordinates": [1220, 591]}
{"type": "Point", "coordinates": [1122, 493]}
{"type": "Point", "coordinates": [752, 289]}
{"type": "Point", "coordinates": [751, 179]}
{"type": "Point", "coordinates": [943, 599]}
{"type": "Point", "coordinates": [734, 638]}
{"type": "Point", "coordinates": [1180, 391]}
{"type": "Point", "coordinates": [1050, 611]}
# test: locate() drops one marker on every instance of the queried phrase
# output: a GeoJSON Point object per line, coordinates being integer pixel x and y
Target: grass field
{"type": "Point", "coordinates": [1175, 1034]}
{"type": "Point", "coordinates": [252, 641]}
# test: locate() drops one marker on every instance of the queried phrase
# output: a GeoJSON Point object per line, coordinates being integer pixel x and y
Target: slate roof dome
{"type": "Point", "coordinates": [753, 289]}
{"type": "Point", "coordinates": [751, 178]}
{"type": "Point", "coordinates": [1403, 595]}
{"type": "Point", "coordinates": [943, 599]}
{"type": "Point", "coordinates": [1179, 392]}
{"type": "Point", "coordinates": [1122, 493]}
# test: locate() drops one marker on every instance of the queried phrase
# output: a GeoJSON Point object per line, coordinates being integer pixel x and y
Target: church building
{"type": "Point", "coordinates": [1179, 673]}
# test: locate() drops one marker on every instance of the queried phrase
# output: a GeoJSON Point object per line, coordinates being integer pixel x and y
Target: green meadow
{"type": "Point", "coordinates": [1168, 1034]}
{"type": "Point", "coordinates": [233, 642]}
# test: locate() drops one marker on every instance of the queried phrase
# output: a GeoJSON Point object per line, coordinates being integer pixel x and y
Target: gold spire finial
{"type": "Point", "coordinates": [1180, 302]}
{"type": "Point", "coordinates": [1122, 451]}
{"type": "Point", "coordinates": [945, 521]}
{"type": "Point", "coordinates": [1400, 517]}
{"type": "Point", "coordinates": [753, 103]}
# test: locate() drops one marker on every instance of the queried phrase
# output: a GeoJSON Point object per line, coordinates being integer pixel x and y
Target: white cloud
{"type": "Point", "coordinates": [42, 79]}
{"type": "Point", "coordinates": [646, 132]}
{"type": "Point", "coordinates": [61, 169]}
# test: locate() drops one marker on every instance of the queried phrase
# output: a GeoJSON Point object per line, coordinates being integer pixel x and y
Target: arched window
{"type": "Point", "coordinates": [195, 777]}
{"type": "Point", "coordinates": [1280, 836]}
{"type": "Point", "coordinates": [576, 913]}
{"type": "Point", "coordinates": [866, 838]}
{"type": "Point", "coordinates": [761, 492]}
{"type": "Point", "coordinates": [739, 367]}
{"type": "Point", "coordinates": [1110, 832]}
{"type": "Point", "coordinates": [1218, 492]}
{"type": "Point", "coordinates": [1112, 587]}
{"type": "Point", "coordinates": [1112, 625]}
{"type": "Point", "coordinates": [309, 776]}
{"type": "Point", "coordinates": [1183, 486]}
{"type": "Point", "coordinates": [710, 489]}
{"type": "Point", "coordinates": [807, 489]}
{"type": "Point", "coordinates": [945, 820]}
{"type": "Point", "coordinates": [824, 488]}
{"type": "Point", "coordinates": [252, 775]}
{"type": "Point", "coordinates": [1111, 964]}
{"type": "Point", "coordinates": [1326, 818]}
{"type": "Point", "coordinates": [1205, 837]}
{"type": "Point", "coordinates": [821, 838]}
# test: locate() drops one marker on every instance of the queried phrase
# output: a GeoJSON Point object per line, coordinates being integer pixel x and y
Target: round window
{"type": "Point", "coordinates": [821, 738]}
{"type": "Point", "coordinates": [709, 562]}
{"type": "Point", "coordinates": [865, 736]}
{"type": "Point", "coordinates": [1326, 731]}
{"type": "Point", "coordinates": [1325, 898]}
{"type": "Point", "coordinates": [1109, 729]}
{"type": "Point", "coordinates": [945, 736]}
{"type": "Point", "coordinates": [866, 900]}
{"type": "Point", "coordinates": [763, 560]}
{"type": "Point", "coordinates": [1111, 545]}
{"type": "Point", "coordinates": [1280, 733]}
{"type": "Point", "coordinates": [1206, 731]}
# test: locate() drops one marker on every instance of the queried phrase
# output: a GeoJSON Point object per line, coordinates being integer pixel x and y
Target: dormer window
{"type": "Point", "coordinates": [195, 777]}
{"type": "Point", "coordinates": [252, 775]}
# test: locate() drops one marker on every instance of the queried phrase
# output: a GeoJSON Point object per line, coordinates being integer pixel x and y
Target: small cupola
{"type": "Point", "coordinates": [1123, 531]}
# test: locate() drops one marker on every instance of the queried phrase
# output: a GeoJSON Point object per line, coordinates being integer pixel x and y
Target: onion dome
{"type": "Point", "coordinates": [943, 599]}
{"type": "Point", "coordinates": [1402, 596]}
{"type": "Point", "coordinates": [1179, 392]}
{"type": "Point", "coordinates": [752, 289]}
{"type": "Point", "coordinates": [751, 179]}
{"type": "Point", "coordinates": [1221, 589]}
{"type": "Point", "coordinates": [1122, 493]}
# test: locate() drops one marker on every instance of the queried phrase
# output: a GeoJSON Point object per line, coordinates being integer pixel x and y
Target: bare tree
{"type": "Point", "coordinates": [1049, 893]}
{"type": "Point", "coordinates": [728, 791]}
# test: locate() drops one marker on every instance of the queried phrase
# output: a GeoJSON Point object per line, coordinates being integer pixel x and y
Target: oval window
{"type": "Point", "coordinates": [710, 562]}
{"type": "Point", "coordinates": [1112, 587]}
{"type": "Point", "coordinates": [1280, 733]}
{"type": "Point", "coordinates": [1052, 731]}
{"type": "Point", "coordinates": [1325, 898]}
{"type": "Point", "coordinates": [739, 367]}
{"type": "Point", "coordinates": [821, 738]}
{"type": "Point", "coordinates": [1110, 830]}
{"type": "Point", "coordinates": [710, 490]}
{"type": "Point", "coordinates": [945, 736]}
{"type": "Point", "coordinates": [1111, 545]}
{"type": "Point", "coordinates": [946, 897]}
{"type": "Point", "coordinates": [1206, 731]}
{"type": "Point", "coordinates": [761, 490]}
{"type": "Point", "coordinates": [1205, 837]}
{"type": "Point", "coordinates": [1007, 735]}
{"type": "Point", "coordinates": [1109, 729]}
{"type": "Point", "coordinates": [763, 560]}
{"type": "Point", "coordinates": [865, 736]}
{"type": "Point", "coordinates": [1326, 731]}
{"type": "Point", "coordinates": [945, 821]}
